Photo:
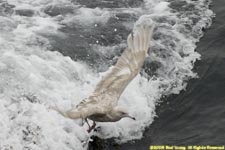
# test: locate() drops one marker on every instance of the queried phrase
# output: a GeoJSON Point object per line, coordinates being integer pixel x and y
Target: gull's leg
{"type": "Point", "coordinates": [89, 127]}
{"type": "Point", "coordinates": [97, 129]}
{"type": "Point", "coordinates": [87, 123]}
{"type": "Point", "coordinates": [92, 127]}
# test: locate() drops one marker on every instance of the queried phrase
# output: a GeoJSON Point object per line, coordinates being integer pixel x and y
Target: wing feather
{"type": "Point", "coordinates": [128, 65]}
{"type": "Point", "coordinates": [111, 86]}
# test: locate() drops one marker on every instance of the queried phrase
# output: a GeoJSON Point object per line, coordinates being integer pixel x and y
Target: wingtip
{"type": "Point", "coordinates": [130, 41]}
{"type": "Point", "coordinates": [142, 36]}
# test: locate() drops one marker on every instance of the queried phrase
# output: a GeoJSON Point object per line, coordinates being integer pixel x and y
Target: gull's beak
{"type": "Point", "coordinates": [133, 118]}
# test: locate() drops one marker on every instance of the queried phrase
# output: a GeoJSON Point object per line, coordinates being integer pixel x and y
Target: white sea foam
{"type": "Point", "coordinates": [161, 7]}
{"type": "Point", "coordinates": [34, 79]}
{"type": "Point", "coordinates": [88, 16]}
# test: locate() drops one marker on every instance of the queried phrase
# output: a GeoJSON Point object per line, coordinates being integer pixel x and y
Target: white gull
{"type": "Point", "coordinates": [102, 106]}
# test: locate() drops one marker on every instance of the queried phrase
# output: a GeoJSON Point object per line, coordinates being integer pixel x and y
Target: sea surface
{"type": "Point", "coordinates": [54, 52]}
{"type": "Point", "coordinates": [196, 116]}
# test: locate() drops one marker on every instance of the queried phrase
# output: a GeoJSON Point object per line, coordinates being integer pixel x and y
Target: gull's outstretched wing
{"type": "Point", "coordinates": [111, 86]}
{"type": "Point", "coordinates": [128, 65]}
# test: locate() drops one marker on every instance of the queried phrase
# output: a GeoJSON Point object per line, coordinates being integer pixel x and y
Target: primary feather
{"type": "Point", "coordinates": [104, 99]}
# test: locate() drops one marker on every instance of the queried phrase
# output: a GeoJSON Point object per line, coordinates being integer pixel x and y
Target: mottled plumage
{"type": "Point", "coordinates": [102, 104]}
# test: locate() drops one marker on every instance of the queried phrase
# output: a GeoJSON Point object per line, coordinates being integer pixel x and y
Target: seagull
{"type": "Point", "coordinates": [102, 105]}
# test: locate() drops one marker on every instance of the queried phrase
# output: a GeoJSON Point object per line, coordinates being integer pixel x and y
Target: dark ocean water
{"type": "Point", "coordinates": [197, 115]}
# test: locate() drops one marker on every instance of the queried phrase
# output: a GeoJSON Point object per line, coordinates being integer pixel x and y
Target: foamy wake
{"type": "Point", "coordinates": [34, 79]}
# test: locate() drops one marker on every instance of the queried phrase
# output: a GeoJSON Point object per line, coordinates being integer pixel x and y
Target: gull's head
{"type": "Point", "coordinates": [122, 113]}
